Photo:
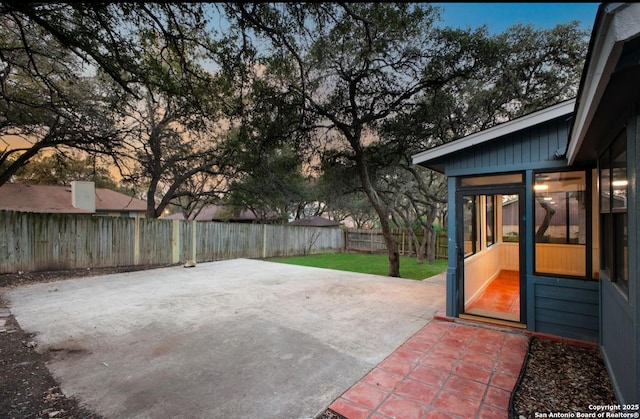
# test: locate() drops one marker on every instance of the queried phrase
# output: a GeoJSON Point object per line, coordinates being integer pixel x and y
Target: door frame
{"type": "Point", "coordinates": [502, 189]}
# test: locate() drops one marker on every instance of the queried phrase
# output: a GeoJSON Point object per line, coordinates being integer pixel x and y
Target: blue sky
{"type": "Point", "coordinates": [500, 16]}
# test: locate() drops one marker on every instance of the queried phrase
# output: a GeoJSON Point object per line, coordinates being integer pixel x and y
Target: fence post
{"type": "Point", "coordinates": [371, 242]}
{"type": "Point", "coordinates": [136, 241]}
{"type": "Point", "coordinates": [194, 242]}
{"type": "Point", "coordinates": [175, 241]}
{"type": "Point", "coordinates": [346, 239]}
{"type": "Point", "coordinates": [264, 241]}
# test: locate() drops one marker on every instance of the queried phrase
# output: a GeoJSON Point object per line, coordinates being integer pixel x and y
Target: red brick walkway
{"type": "Point", "coordinates": [445, 370]}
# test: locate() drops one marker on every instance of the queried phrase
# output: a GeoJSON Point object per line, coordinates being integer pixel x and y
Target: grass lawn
{"type": "Point", "coordinates": [368, 264]}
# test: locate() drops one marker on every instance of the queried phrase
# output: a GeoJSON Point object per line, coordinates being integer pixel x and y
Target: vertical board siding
{"type": "Point", "coordinates": [38, 242]}
{"type": "Point", "coordinates": [366, 241]}
{"type": "Point", "coordinates": [561, 259]}
{"type": "Point", "coordinates": [533, 145]}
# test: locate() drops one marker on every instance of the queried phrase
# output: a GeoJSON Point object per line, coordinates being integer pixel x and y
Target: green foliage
{"type": "Point", "coordinates": [271, 185]}
{"type": "Point", "coordinates": [350, 90]}
{"type": "Point", "coordinates": [367, 264]}
{"type": "Point", "coordinates": [46, 98]}
{"type": "Point", "coordinates": [60, 170]}
{"type": "Point", "coordinates": [380, 82]}
{"type": "Point", "coordinates": [125, 79]}
{"type": "Point", "coordinates": [268, 149]}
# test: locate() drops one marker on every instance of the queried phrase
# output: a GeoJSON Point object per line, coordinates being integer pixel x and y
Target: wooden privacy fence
{"type": "Point", "coordinates": [37, 242]}
{"type": "Point", "coordinates": [372, 241]}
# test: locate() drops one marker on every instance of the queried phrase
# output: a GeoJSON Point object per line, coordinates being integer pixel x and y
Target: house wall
{"type": "Point", "coordinates": [554, 304]}
{"type": "Point", "coordinates": [563, 307]}
{"type": "Point", "coordinates": [509, 256]}
{"type": "Point", "coordinates": [479, 270]}
{"type": "Point", "coordinates": [527, 149]}
{"type": "Point", "coordinates": [564, 259]}
{"type": "Point", "coordinates": [454, 230]}
{"type": "Point", "coordinates": [619, 342]}
{"type": "Point", "coordinates": [620, 335]}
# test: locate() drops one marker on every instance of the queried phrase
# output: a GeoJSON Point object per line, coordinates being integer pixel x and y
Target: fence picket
{"type": "Point", "coordinates": [36, 242]}
{"type": "Point", "coordinates": [372, 241]}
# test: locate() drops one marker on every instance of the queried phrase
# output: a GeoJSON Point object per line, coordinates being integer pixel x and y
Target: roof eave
{"type": "Point", "coordinates": [527, 121]}
{"type": "Point", "coordinates": [615, 24]}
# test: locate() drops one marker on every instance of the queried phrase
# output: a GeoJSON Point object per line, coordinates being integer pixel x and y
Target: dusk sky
{"type": "Point", "coordinates": [500, 16]}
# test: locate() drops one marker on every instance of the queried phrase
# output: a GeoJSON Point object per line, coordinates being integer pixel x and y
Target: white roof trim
{"type": "Point", "coordinates": [530, 120]}
{"type": "Point", "coordinates": [619, 23]}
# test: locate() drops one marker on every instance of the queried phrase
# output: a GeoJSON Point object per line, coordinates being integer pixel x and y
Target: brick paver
{"type": "Point", "coordinates": [445, 370]}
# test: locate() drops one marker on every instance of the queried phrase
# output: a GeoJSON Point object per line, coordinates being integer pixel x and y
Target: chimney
{"type": "Point", "coordinates": [83, 195]}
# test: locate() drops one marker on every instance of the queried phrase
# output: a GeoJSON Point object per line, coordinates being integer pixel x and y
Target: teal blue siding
{"type": "Point", "coordinates": [564, 307]}
{"type": "Point", "coordinates": [619, 343]}
{"type": "Point", "coordinates": [620, 336]}
{"type": "Point", "coordinates": [533, 148]}
{"type": "Point", "coordinates": [452, 261]}
{"type": "Point", "coordinates": [558, 306]}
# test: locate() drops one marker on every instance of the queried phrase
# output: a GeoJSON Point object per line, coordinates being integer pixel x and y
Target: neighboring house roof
{"type": "Point", "coordinates": [216, 213]}
{"type": "Point", "coordinates": [315, 221]}
{"type": "Point", "coordinates": [527, 121]}
{"type": "Point", "coordinates": [57, 199]}
{"type": "Point", "coordinates": [109, 200]}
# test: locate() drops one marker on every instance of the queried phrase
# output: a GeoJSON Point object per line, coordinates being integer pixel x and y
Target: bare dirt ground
{"type": "Point", "coordinates": [27, 388]}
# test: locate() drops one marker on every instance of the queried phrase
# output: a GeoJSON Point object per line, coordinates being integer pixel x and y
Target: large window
{"type": "Point", "coordinates": [561, 220]}
{"type": "Point", "coordinates": [614, 252]}
{"type": "Point", "coordinates": [470, 222]}
{"type": "Point", "coordinates": [479, 218]}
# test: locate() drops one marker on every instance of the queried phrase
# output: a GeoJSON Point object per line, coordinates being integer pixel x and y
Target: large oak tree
{"type": "Point", "coordinates": [356, 65]}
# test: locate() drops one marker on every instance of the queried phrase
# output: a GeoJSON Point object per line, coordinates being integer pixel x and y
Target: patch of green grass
{"type": "Point", "coordinates": [368, 264]}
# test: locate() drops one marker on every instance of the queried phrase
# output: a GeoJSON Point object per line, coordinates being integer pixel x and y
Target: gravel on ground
{"type": "Point", "coordinates": [561, 378]}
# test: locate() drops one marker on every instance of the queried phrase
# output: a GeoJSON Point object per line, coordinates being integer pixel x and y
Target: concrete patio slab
{"type": "Point", "coordinates": [239, 338]}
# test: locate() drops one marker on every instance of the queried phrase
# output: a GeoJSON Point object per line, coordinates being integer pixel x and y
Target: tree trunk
{"type": "Point", "coordinates": [423, 246]}
{"type": "Point", "coordinates": [151, 204]}
{"type": "Point", "coordinates": [390, 241]}
{"type": "Point", "coordinates": [549, 212]}
{"type": "Point", "coordinates": [383, 215]}
{"type": "Point", "coordinates": [430, 244]}
{"type": "Point", "coordinates": [410, 242]}
{"type": "Point", "coordinates": [412, 239]}
{"type": "Point", "coordinates": [12, 168]}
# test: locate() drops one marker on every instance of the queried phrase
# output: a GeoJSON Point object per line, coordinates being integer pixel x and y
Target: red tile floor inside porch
{"type": "Point", "coordinates": [445, 370]}
{"type": "Point", "coordinates": [501, 298]}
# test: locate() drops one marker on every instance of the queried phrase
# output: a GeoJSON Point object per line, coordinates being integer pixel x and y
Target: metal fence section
{"type": "Point", "coordinates": [37, 242]}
